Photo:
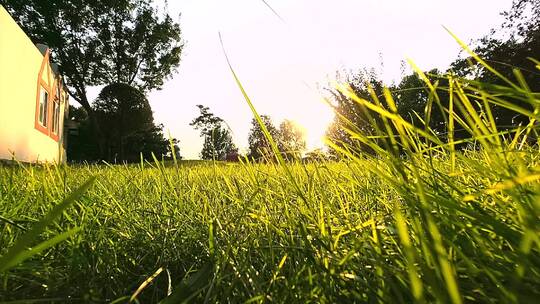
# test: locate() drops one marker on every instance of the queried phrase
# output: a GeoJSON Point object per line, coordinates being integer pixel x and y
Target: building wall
{"type": "Point", "coordinates": [20, 65]}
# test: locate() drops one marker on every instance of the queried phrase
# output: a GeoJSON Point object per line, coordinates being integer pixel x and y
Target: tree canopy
{"type": "Point", "coordinates": [97, 42]}
{"type": "Point", "coordinates": [291, 140]}
{"type": "Point", "coordinates": [509, 49]}
{"type": "Point", "coordinates": [259, 146]}
{"type": "Point", "coordinates": [350, 115]}
{"type": "Point", "coordinates": [218, 143]}
{"type": "Point", "coordinates": [128, 129]}
{"type": "Point", "coordinates": [289, 137]}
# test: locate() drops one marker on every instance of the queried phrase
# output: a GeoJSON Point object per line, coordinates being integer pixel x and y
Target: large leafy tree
{"type": "Point", "coordinates": [123, 112]}
{"type": "Point", "coordinates": [508, 48]}
{"type": "Point", "coordinates": [511, 46]}
{"type": "Point", "coordinates": [145, 46]}
{"type": "Point", "coordinates": [128, 129]}
{"type": "Point", "coordinates": [218, 143]}
{"type": "Point", "coordinates": [206, 121]}
{"type": "Point", "coordinates": [414, 100]}
{"type": "Point", "coordinates": [98, 42]}
{"type": "Point", "coordinates": [412, 97]}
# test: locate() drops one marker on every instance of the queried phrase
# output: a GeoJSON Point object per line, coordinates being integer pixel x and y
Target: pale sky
{"type": "Point", "coordinates": [283, 64]}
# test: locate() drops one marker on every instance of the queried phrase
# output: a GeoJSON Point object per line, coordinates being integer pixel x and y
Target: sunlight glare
{"type": "Point", "coordinates": [314, 122]}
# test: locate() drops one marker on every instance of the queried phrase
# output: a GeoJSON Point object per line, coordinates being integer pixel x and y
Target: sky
{"type": "Point", "coordinates": [284, 63]}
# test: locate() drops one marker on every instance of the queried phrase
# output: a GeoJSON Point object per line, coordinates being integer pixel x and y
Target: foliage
{"type": "Point", "coordinates": [259, 146]}
{"type": "Point", "coordinates": [218, 143]}
{"type": "Point", "coordinates": [317, 155]}
{"type": "Point", "coordinates": [428, 224]}
{"type": "Point", "coordinates": [351, 116]}
{"type": "Point", "coordinates": [206, 121]}
{"type": "Point", "coordinates": [80, 142]}
{"type": "Point", "coordinates": [102, 42]}
{"type": "Point", "coordinates": [128, 133]}
{"type": "Point", "coordinates": [412, 97]}
{"type": "Point", "coordinates": [139, 46]}
{"type": "Point", "coordinates": [507, 49]}
{"type": "Point", "coordinates": [77, 113]}
{"type": "Point", "coordinates": [291, 140]}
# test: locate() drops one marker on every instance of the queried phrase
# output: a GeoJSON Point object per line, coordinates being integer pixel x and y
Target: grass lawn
{"type": "Point", "coordinates": [351, 231]}
{"type": "Point", "coordinates": [414, 220]}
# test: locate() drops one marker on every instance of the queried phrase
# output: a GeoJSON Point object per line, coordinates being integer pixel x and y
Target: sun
{"type": "Point", "coordinates": [314, 122]}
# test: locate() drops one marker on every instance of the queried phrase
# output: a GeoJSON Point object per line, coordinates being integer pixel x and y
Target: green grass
{"type": "Point", "coordinates": [346, 242]}
{"type": "Point", "coordinates": [418, 221]}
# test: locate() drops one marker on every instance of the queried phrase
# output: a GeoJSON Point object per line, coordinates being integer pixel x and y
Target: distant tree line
{"type": "Point", "coordinates": [131, 48]}
{"type": "Point", "coordinates": [508, 48]}
{"type": "Point", "coordinates": [218, 142]}
{"type": "Point", "coordinates": [511, 47]}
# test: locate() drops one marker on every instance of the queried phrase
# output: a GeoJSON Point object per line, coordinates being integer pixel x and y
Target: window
{"type": "Point", "coordinates": [43, 107]}
{"type": "Point", "coordinates": [56, 117]}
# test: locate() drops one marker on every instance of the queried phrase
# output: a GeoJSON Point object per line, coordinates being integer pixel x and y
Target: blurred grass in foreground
{"type": "Point", "coordinates": [416, 220]}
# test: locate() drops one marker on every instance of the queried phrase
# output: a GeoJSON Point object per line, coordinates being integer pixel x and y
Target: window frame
{"type": "Point", "coordinates": [51, 87]}
{"type": "Point", "coordinates": [55, 121]}
{"type": "Point", "coordinates": [43, 111]}
{"type": "Point", "coordinates": [43, 90]}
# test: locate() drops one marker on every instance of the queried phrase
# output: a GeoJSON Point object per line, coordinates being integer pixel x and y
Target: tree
{"type": "Point", "coordinates": [145, 46]}
{"type": "Point", "coordinates": [522, 41]}
{"type": "Point", "coordinates": [77, 113]}
{"type": "Point", "coordinates": [97, 42]}
{"type": "Point", "coordinates": [412, 96]}
{"type": "Point", "coordinates": [218, 143]}
{"type": "Point", "coordinates": [146, 142]}
{"type": "Point", "coordinates": [81, 145]}
{"type": "Point", "coordinates": [128, 125]}
{"type": "Point", "coordinates": [509, 47]}
{"type": "Point", "coordinates": [291, 140]}
{"type": "Point", "coordinates": [259, 146]}
{"type": "Point", "coordinates": [206, 121]}
{"type": "Point", "coordinates": [317, 155]}
{"type": "Point", "coordinates": [351, 116]}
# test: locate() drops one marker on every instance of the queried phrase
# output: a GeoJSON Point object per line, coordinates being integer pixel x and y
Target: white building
{"type": "Point", "coordinates": [33, 100]}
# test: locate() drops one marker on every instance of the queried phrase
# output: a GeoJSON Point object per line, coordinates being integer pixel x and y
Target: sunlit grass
{"type": "Point", "coordinates": [346, 240]}
{"type": "Point", "coordinates": [416, 220]}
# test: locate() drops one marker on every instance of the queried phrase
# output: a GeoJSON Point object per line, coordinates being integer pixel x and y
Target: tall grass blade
{"type": "Point", "coordinates": [20, 252]}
